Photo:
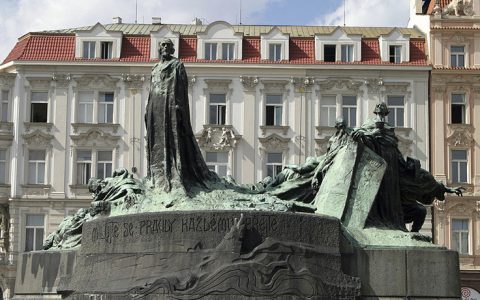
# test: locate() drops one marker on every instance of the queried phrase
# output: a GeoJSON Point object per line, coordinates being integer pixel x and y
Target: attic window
{"type": "Point", "coordinates": [106, 50]}
{"type": "Point", "coordinates": [329, 53]}
{"type": "Point", "coordinates": [88, 50]}
{"type": "Point", "coordinates": [395, 54]}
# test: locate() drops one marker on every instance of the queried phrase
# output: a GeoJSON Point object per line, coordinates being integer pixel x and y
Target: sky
{"type": "Point", "coordinates": [18, 17]}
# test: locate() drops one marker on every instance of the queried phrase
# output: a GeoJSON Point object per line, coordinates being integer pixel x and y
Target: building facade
{"type": "Point", "coordinates": [453, 33]}
{"type": "Point", "coordinates": [261, 97]}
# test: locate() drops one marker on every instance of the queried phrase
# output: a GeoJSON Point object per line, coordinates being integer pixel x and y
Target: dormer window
{"type": "Point", "coordinates": [228, 51]}
{"type": "Point", "coordinates": [329, 53]}
{"type": "Point", "coordinates": [395, 54]}
{"type": "Point", "coordinates": [106, 50]}
{"type": "Point", "coordinates": [89, 49]}
{"type": "Point", "coordinates": [347, 53]}
{"type": "Point", "coordinates": [275, 52]}
{"type": "Point", "coordinates": [210, 51]}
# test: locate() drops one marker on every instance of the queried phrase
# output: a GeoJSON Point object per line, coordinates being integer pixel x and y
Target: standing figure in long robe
{"type": "Point", "coordinates": [174, 159]}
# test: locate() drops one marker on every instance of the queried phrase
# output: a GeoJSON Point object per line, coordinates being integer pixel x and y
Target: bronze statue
{"type": "Point", "coordinates": [173, 157]}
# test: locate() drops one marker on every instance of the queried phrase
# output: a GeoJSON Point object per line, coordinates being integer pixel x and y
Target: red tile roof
{"type": "Point", "coordinates": [137, 49]}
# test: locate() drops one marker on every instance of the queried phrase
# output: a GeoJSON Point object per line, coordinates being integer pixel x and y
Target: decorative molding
{"type": "Point", "coordinates": [273, 143]}
{"type": "Point", "coordinates": [6, 131]}
{"type": "Point", "coordinates": [457, 8]}
{"type": "Point", "coordinates": [38, 138]}
{"type": "Point", "coordinates": [31, 126]}
{"type": "Point", "coordinates": [218, 138]}
{"type": "Point", "coordinates": [218, 84]}
{"type": "Point", "coordinates": [439, 205]}
{"type": "Point", "coordinates": [7, 80]}
{"type": "Point", "coordinates": [322, 145]}
{"type": "Point", "coordinates": [374, 85]}
{"type": "Point", "coordinates": [275, 85]}
{"type": "Point", "coordinates": [249, 82]}
{"type": "Point", "coordinates": [267, 129]}
{"type": "Point", "coordinates": [97, 82]}
{"type": "Point", "coordinates": [341, 83]}
{"type": "Point", "coordinates": [460, 135]}
{"type": "Point", "coordinates": [133, 81]}
{"type": "Point", "coordinates": [440, 89]}
{"type": "Point", "coordinates": [61, 81]}
{"type": "Point", "coordinates": [39, 83]}
{"type": "Point", "coordinates": [95, 136]}
{"type": "Point", "coordinates": [192, 80]}
{"type": "Point", "coordinates": [83, 127]}
{"type": "Point", "coordinates": [302, 82]}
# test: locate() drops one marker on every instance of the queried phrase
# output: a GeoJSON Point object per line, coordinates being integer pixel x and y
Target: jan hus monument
{"type": "Point", "coordinates": [331, 228]}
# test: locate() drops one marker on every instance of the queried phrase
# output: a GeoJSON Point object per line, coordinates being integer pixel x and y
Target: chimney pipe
{"type": "Point", "coordinates": [156, 20]}
{"type": "Point", "coordinates": [117, 20]}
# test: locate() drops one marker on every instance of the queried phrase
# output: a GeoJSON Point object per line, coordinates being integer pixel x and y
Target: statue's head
{"type": "Point", "coordinates": [166, 48]}
{"type": "Point", "coordinates": [340, 123]}
{"type": "Point", "coordinates": [94, 185]}
{"type": "Point", "coordinates": [381, 110]}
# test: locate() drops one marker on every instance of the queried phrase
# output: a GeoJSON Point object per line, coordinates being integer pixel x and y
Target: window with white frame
{"type": "Point", "coordinates": [395, 54]}
{"type": "Point", "coordinates": [88, 49]}
{"type": "Point", "coordinates": [84, 166]}
{"type": "Point", "coordinates": [217, 109]}
{"type": "Point", "coordinates": [349, 110]}
{"type": "Point", "coordinates": [105, 107]}
{"type": "Point", "coordinates": [39, 107]}
{"type": "Point", "coordinates": [457, 56]}
{"type": "Point", "coordinates": [3, 166]}
{"type": "Point", "coordinates": [210, 51]}
{"type": "Point", "coordinates": [275, 52]}
{"type": "Point", "coordinates": [459, 166]}
{"type": "Point", "coordinates": [106, 50]}
{"type": "Point", "coordinates": [396, 106]}
{"type": "Point", "coordinates": [458, 106]}
{"type": "Point", "coordinates": [36, 166]}
{"type": "Point", "coordinates": [104, 164]}
{"type": "Point", "coordinates": [347, 53]}
{"type": "Point", "coordinates": [34, 232]}
{"type": "Point", "coordinates": [228, 51]}
{"type": "Point", "coordinates": [328, 111]}
{"type": "Point", "coordinates": [91, 162]}
{"type": "Point", "coordinates": [85, 107]}
{"type": "Point", "coordinates": [274, 164]}
{"type": "Point", "coordinates": [273, 110]}
{"type": "Point", "coordinates": [217, 162]}
{"type": "Point", "coordinates": [460, 235]}
{"type": "Point", "coordinates": [329, 53]}
{"type": "Point", "coordinates": [4, 105]}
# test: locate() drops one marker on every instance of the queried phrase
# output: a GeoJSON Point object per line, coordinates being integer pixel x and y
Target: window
{"type": "Point", "coordinates": [275, 52]}
{"type": "Point", "coordinates": [274, 110]}
{"type": "Point", "coordinates": [34, 232]}
{"type": "Point", "coordinates": [105, 107]}
{"type": "Point", "coordinates": [84, 166]}
{"type": "Point", "coordinates": [217, 162]}
{"type": "Point", "coordinates": [85, 107]}
{"type": "Point", "coordinates": [227, 51]}
{"type": "Point", "coordinates": [460, 235]}
{"type": "Point", "coordinates": [104, 164]}
{"type": "Point", "coordinates": [39, 107]}
{"type": "Point", "coordinates": [4, 106]}
{"type": "Point", "coordinates": [328, 111]}
{"type": "Point", "coordinates": [396, 105]}
{"type": "Point", "coordinates": [395, 54]}
{"type": "Point", "coordinates": [88, 49]}
{"type": "Point", "coordinates": [274, 164]}
{"type": "Point", "coordinates": [458, 109]}
{"type": "Point", "coordinates": [457, 56]}
{"type": "Point", "coordinates": [349, 109]}
{"type": "Point", "coordinates": [106, 50]}
{"type": "Point", "coordinates": [347, 53]}
{"type": "Point", "coordinates": [459, 166]}
{"type": "Point", "coordinates": [329, 53]}
{"type": "Point", "coordinates": [210, 51]}
{"type": "Point", "coordinates": [218, 109]}
{"type": "Point", "coordinates": [3, 166]}
{"type": "Point", "coordinates": [36, 166]}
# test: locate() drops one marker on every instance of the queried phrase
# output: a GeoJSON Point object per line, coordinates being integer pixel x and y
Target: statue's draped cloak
{"type": "Point", "coordinates": [387, 208]}
{"type": "Point", "coordinates": [173, 156]}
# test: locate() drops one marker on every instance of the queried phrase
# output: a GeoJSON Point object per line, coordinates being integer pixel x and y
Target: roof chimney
{"type": "Point", "coordinates": [197, 21]}
{"type": "Point", "coordinates": [117, 20]}
{"type": "Point", "coordinates": [156, 20]}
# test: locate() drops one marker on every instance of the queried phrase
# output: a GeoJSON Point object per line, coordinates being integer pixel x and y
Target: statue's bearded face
{"type": "Point", "coordinates": [166, 49]}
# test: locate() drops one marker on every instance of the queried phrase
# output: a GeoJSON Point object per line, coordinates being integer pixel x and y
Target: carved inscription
{"type": "Point", "coordinates": [112, 230]}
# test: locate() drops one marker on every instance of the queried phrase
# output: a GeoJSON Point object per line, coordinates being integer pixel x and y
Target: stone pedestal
{"type": "Point", "coordinates": [231, 255]}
